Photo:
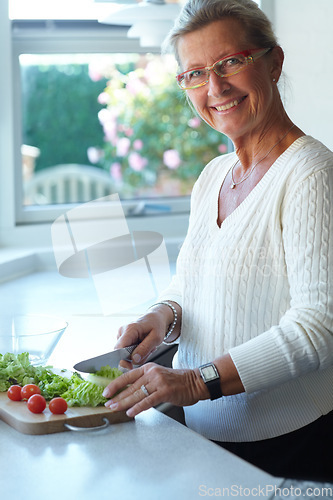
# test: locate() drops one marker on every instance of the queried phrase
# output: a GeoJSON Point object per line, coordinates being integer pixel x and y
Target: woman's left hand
{"type": "Point", "coordinates": [152, 384]}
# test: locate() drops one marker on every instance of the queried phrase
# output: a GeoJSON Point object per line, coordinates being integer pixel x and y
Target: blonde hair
{"type": "Point", "coordinates": [197, 14]}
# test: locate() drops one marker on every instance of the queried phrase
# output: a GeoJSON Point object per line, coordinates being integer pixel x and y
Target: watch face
{"type": "Point", "coordinates": [209, 372]}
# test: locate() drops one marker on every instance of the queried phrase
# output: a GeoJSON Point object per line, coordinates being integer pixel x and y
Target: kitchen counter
{"type": "Point", "coordinates": [151, 457]}
{"type": "Point", "coordinates": [148, 458]}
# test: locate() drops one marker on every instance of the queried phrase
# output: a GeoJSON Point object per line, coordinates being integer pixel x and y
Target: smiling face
{"type": "Point", "coordinates": [241, 104]}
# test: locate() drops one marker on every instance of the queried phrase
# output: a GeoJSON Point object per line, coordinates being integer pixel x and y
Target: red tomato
{"type": "Point", "coordinates": [58, 406]}
{"type": "Point", "coordinates": [36, 403]}
{"type": "Point", "coordinates": [14, 393]}
{"type": "Point", "coordinates": [28, 390]}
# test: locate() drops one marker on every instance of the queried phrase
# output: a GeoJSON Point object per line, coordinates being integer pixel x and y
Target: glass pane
{"type": "Point", "coordinates": [108, 123]}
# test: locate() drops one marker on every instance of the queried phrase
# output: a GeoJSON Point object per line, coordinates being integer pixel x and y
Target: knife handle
{"type": "Point", "coordinates": [130, 349]}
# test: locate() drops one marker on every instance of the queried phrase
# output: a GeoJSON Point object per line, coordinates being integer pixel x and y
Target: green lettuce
{"type": "Point", "coordinates": [16, 369]}
{"type": "Point", "coordinates": [108, 372]}
{"type": "Point", "coordinates": [84, 394]}
{"type": "Point", "coordinates": [90, 392]}
{"type": "Point", "coordinates": [58, 385]}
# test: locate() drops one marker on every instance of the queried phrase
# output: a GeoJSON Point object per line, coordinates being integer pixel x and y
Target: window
{"type": "Point", "coordinates": [96, 114]}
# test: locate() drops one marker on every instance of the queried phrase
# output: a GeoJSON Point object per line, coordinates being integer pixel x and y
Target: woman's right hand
{"type": "Point", "coordinates": [148, 331]}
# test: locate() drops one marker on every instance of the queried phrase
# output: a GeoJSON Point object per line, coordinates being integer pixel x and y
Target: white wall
{"type": "Point", "coordinates": [305, 32]}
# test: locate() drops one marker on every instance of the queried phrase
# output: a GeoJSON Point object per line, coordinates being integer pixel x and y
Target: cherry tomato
{"type": "Point", "coordinates": [14, 393]}
{"type": "Point", "coordinates": [36, 403]}
{"type": "Point", "coordinates": [28, 390]}
{"type": "Point", "coordinates": [58, 406]}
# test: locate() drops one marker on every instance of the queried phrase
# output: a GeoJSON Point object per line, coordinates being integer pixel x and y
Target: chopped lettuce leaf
{"type": "Point", "coordinates": [108, 372]}
{"type": "Point", "coordinates": [97, 380]}
{"type": "Point", "coordinates": [104, 376]}
{"type": "Point", "coordinates": [84, 394]}
{"type": "Point", "coordinates": [90, 393]}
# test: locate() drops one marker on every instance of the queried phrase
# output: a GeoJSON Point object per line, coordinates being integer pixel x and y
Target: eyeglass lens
{"type": "Point", "coordinates": [225, 67]}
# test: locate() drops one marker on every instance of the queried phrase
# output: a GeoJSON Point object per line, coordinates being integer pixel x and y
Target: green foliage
{"type": "Point", "coordinates": [60, 112]}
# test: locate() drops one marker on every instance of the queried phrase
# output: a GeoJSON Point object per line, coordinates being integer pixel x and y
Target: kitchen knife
{"type": "Point", "coordinates": [112, 359]}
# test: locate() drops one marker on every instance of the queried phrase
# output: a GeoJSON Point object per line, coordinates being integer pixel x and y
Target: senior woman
{"type": "Point", "coordinates": [251, 302]}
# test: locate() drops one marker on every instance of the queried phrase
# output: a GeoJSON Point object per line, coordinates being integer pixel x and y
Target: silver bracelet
{"type": "Point", "coordinates": [173, 324]}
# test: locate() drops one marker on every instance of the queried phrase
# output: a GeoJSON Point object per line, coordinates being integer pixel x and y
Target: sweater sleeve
{"type": "Point", "coordinates": [303, 339]}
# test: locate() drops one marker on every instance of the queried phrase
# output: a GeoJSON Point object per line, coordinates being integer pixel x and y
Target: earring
{"type": "Point", "coordinates": [274, 80]}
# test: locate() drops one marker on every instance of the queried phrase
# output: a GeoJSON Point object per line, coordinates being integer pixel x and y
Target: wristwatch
{"type": "Point", "coordinates": [211, 377]}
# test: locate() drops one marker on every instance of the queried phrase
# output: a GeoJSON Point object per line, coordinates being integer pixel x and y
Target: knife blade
{"type": "Point", "coordinates": [112, 359]}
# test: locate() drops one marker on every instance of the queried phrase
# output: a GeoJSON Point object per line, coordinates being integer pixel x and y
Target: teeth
{"type": "Point", "coordinates": [228, 106]}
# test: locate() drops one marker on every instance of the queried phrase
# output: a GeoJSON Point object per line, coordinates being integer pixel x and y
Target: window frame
{"type": "Point", "coordinates": [61, 37]}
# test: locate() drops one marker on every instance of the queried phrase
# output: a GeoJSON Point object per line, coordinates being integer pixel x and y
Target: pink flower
{"type": "Point", "coordinates": [137, 162]}
{"type": "Point", "coordinates": [138, 144]}
{"type": "Point", "coordinates": [94, 73]}
{"type": "Point", "coordinates": [194, 122]}
{"type": "Point", "coordinates": [123, 146]}
{"type": "Point", "coordinates": [94, 154]}
{"type": "Point", "coordinates": [110, 132]}
{"type": "Point", "coordinates": [108, 120]}
{"type": "Point", "coordinates": [136, 86]}
{"type": "Point", "coordinates": [103, 98]}
{"type": "Point", "coordinates": [171, 158]}
{"type": "Point", "coordinates": [115, 171]}
{"type": "Point", "coordinates": [128, 131]}
{"type": "Point", "coordinates": [222, 148]}
{"type": "Point", "coordinates": [104, 116]}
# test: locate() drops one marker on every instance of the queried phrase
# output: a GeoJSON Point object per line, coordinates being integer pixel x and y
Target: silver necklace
{"type": "Point", "coordinates": [234, 184]}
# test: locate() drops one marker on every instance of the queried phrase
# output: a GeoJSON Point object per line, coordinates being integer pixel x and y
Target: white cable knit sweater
{"type": "Point", "coordinates": [260, 287]}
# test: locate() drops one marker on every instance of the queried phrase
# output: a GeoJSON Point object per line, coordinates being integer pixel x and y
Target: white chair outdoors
{"type": "Point", "coordinates": [68, 183]}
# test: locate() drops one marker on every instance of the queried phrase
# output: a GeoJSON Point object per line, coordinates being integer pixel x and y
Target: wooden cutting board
{"type": "Point", "coordinates": [17, 415]}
